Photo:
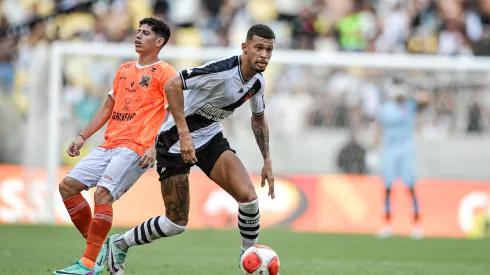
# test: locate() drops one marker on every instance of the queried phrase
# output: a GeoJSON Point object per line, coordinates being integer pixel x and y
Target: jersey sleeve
{"type": "Point", "coordinates": [257, 103]}
{"type": "Point", "coordinates": [115, 83]}
{"type": "Point", "coordinates": [113, 91]}
{"type": "Point", "coordinates": [207, 75]}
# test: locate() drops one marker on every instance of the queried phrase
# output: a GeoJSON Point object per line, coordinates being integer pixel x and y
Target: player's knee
{"type": "Point", "coordinates": [69, 187]}
{"type": "Point", "coordinates": [246, 196]}
{"type": "Point", "coordinates": [103, 196]}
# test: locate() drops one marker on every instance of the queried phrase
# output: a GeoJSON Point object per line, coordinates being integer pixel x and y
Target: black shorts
{"type": "Point", "coordinates": [171, 164]}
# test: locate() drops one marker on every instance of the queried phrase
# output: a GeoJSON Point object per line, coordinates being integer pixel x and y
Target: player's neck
{"type": "Point", "coordinates": [247, 72]}
{"type": "Point", "coordinates": [147, 59]}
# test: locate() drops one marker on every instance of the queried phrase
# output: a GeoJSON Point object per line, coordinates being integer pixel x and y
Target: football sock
{"type": "Point", "coordinates": [80, 213]}
{"type": "Point", "coordinates": [152, 229]}
{"type": "Point", "coordinates": [99, 228]}
{"type": "Point", "coordinates": [415, 205]}
{"type": "Point", "coordinates": [248, 223]}
{"type": "Point", "coordinates": [387, 205]}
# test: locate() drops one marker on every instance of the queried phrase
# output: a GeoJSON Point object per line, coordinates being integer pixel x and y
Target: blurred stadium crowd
{"type": "Point", "coordinates": [306, 96]}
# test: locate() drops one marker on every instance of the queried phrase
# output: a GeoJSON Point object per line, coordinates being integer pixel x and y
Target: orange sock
{"type": "Point", "coordinates": [80, 213]}
{"type": "Point", "coordinates": [99, 229]}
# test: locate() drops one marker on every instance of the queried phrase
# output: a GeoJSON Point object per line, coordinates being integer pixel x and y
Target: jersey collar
{"type": "Point", "coordinates": [240, 70]}
{"type": "Point", "coordinates": [141, 67]}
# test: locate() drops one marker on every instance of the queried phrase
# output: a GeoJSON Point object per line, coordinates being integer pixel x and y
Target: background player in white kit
{"type": "Point", "coordinates": [217, 88]}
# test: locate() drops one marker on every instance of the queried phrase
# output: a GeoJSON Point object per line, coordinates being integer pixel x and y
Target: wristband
{"type": "Point", "coordinates": [84, 139]}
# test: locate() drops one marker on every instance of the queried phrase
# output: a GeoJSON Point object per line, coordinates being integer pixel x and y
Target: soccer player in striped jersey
{"type": "Point", "coordinates": [193, 136]}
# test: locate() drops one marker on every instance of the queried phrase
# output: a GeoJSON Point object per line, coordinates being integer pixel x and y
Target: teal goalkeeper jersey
{"type": "Point", "coordinates": [398, 123]}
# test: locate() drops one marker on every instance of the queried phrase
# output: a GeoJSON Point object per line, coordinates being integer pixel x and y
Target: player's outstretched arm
{"type": "Point", "coordinates": [261, 133]}
{"type": "Point", "coordinates": [174, 90]}
{"type": "Point", "coordinates": [378, 135]}
{"type": "Point", "coordinates": [100, 118]}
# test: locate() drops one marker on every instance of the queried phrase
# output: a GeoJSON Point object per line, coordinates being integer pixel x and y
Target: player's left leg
{"type": "Point", "coordinates": [409, 178]}
{"type": "Point", "coordinates": [119, 176]}
{"type": "Point", "coordinates": [230, 174]}
{"type": "Point", "coordinates": [219, 162]}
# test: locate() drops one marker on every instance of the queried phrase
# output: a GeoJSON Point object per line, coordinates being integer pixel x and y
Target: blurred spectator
{"type": "Point", "coordinates": [343, 98]}
{"type": "Point", "coordinates": [352, 158]}
{"type": "Point", "coordinates": [395, 30]}
{"type": "Point", "coordinates": [350, 30]}
{"type": "Point", "coordinates": [7, 53]}
{"type": "Point", "coordinates": [26, 50]}
{"type": "Point", "coordinates": [475, 119]}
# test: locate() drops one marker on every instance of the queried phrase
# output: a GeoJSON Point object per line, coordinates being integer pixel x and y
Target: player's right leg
{"type": "Point", "coordinates": [388, 173]}
{"type": "Point", "coordinates": [86, 173]}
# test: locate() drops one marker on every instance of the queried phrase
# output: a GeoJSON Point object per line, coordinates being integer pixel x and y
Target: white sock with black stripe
{"type": "Point", "coordinates": [152, 229]}
{"type": "Point", "coordinates": [248, 223]}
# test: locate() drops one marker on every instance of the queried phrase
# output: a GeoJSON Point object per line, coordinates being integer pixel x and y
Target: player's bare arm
{"type": "Point", "coordinates": [100, 118]}
{"type": "Point", "coordinates": [260, 129]}
{"type": "Point", "coordinates": [174, 90]}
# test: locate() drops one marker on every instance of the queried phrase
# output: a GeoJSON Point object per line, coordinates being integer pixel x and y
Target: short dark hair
{"type": "Point", "coordinates": [159, 27]}
{"type": "Point", "coordinates": [261, 31]}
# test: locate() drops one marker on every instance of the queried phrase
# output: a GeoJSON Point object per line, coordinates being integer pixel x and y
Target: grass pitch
{"type": "Point", "coordinates": [26, 250]}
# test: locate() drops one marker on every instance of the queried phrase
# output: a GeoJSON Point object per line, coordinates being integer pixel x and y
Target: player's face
{"type": "Point", "coordinates": [146, 40]}
{"type": "Point", "coordinates": [258, 51]}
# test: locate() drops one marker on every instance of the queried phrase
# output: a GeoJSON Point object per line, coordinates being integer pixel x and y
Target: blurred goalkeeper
{"type": "Point", "coordinates": [135, 109]}
{"type": "Point", "coordinates": [397, 122]}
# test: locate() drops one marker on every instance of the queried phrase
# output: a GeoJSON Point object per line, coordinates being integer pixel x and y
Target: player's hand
{"type": "Point", "coordinates": [75, 146]}
{"type": "Point", "coordinates": [187, 148]}
{"type": "Point", "coordinates": [147, 160]}
{"type": "Point", "coordinates": [267, 175]}
{"type": "Point", "coordinates": [422, 97]}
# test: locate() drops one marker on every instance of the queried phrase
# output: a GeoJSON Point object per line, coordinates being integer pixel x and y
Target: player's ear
{"type": "Point", "coordinates": [244, 48]}
{"type": "Point", "coordinates": [160, 42]}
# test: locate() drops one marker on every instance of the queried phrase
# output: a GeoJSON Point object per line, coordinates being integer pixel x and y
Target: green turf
{"type": "Point", "coordinates": [41, 249]}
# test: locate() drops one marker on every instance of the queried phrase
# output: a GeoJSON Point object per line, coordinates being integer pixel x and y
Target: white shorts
{"type": "Point", "coordinates": [116, 169]}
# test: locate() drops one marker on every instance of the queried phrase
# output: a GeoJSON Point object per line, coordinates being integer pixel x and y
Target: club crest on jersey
{"type": "Point", "coordinates": [145, 81]}
{"type": "Point", "coordinates": [251, 92]}
{"type": "Point", "coordinates": [126, 107]}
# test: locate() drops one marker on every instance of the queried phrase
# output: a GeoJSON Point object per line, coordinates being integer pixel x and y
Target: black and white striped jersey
{"type": "Point", "coordinates": [216, 89]}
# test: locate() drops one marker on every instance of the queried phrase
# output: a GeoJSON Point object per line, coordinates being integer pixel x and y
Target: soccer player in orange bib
{"type": "Point", "coordinates": [135, 109]}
